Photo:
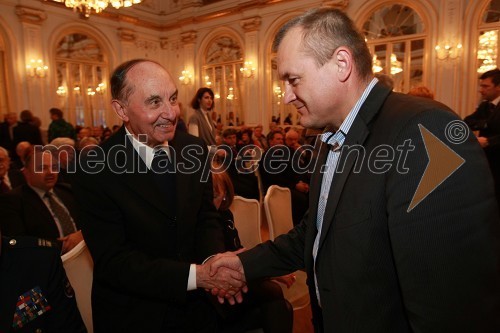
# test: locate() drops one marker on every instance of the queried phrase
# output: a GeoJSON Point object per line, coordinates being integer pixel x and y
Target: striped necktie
{"type": "Point", "coordinates": [63, 217]}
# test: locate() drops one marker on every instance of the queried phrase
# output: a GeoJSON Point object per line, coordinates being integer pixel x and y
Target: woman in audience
{"type": "Point", "coordinates": [200, 123]}
{"type": "Point", "coordinates": [264, 305]}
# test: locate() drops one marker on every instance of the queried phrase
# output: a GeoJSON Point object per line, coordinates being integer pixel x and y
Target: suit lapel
{"type": "Point", "coordinates": [140, 180]}
{"type": "Point", "coordinates": [357, 135]}
{"type": "Point", "coordinates": [41, 208]}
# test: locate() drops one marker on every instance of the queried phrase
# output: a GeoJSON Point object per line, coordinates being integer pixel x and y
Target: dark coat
{"type": "Point", "coordinates": [380, 267]}
{"type": "Point", "coordinates": [32, 267]}
{"type": "Point", "coordinates": [25, 213]}
{"type": "Point", "coordinates": [141, 242]}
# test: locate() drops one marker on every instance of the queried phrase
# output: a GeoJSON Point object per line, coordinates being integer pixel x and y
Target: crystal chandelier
{"type": "Point", "coordinates": [86, 6]}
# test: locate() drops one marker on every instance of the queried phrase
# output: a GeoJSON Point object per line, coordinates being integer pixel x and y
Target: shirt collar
{"type": "Point", "coordinates": [145, 152]}
{"type": "Point", "coordinates": [339, 136]}
{"type": "Point", "coordinates": [40, 192]}
{"type": "Point", "coordinates": [496, 101]}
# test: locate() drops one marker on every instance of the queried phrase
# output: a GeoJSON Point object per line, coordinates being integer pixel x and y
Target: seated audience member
{"type": "Point", "coordinates": [65, 153]}
{"type": "Point", "coordinates": [35, 294]}
{"type": "Point", "coordinates": [21, 150]}
{"type": "Point", "coordinates": [106, 133]}
{"type": "Point", "coordinates": [86, 142]}
{"type": "Point", "coordinates": [292, 139]}
{"type": "Point", "coordinates": [421, 91]}
{"type": "Point", "coordinates": [7, 133]}
{"type": "Point", "coordinates": [263, 305]}
{"type": "Point", "coordinates": [259, 138]}
{"type": "Point", "coordinates": [59, 128]}
{"type": "Point", "coordinates": [83, 132]}
{"type": "Point", "coordinates": [273, 173]}
{"type": "Point", "coordinates": [97, 132]}
{"type": "Point", "coordinates": [9, 178]}
{"type": "Point", "coordinates": [245, 182]}
{"type": "Point", "coordinates": [26, 131]}
{"type": "Point", "coordinates": [41, 208]}
{"type": "Point", "coordinates": [245, 138]}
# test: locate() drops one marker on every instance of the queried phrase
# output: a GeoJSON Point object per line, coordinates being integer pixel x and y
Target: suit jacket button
{"type": "Point", "coordinates": [12, 242]}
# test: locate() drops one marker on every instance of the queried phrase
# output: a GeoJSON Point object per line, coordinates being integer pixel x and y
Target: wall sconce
{"type": "Point", "coordinates": [186, 77]}
{"type": "Point", "coordinates": [278, 93]}
{"type": "Point", "coordinates": [36, 68]}
{"type": "Point", "coordinates": [248, 70]}
{"type": "Point", "coordinates": [396, 65]}
{"type": "Point", "coordinates": [208, 83]}
{"type": "Point", "coordinates": [101, 87]}
{"type": "Point", "coordinates": [377, 66]}
{"type": "Point", "coordinates": [448, 50]}
{"type": "Point", "coordinates": [61, 91]}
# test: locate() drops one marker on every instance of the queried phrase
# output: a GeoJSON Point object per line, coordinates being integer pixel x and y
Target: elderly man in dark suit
{"type": "Point", "coordinates": [147, 213]}
{"type": "Point", "coordinates": [402, 233]}
{"type": "Point", "coordinates": [40, 208]}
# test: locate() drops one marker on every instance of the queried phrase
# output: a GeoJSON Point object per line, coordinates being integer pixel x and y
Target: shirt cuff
{"type": "Point", "coordinates": [192, 278]}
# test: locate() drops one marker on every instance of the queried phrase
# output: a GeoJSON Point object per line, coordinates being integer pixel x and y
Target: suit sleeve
{"type": "Point", "coordinates": [282, 256]}
{"type": "Point", "coordinates": [12, 223]}
{"type": "Point", "coordinates": [477, 120]}
{"type": "Point", "coordinates": [118, 262]}
{"type": "Point", "coordinates": [446, 249]}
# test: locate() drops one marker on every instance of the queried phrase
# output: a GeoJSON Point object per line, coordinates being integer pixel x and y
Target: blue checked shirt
{"type": "Point", "coordinates": [335, 140]}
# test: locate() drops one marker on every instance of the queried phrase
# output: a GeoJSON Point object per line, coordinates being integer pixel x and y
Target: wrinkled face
{"type": "Point", "coordinates": [313, 90]}
{"type": "Point", "coordinates": [206, 102]}
{"type": "Point", "coordinates": [41, 171]}
{"type": "Point", "coordinates": [488, 90]}
{"type": "Point", "coordinates": [292, 138]}
{"type": "Point", "coordinates": [276, 140]}
{"type": "Point", "coordinates": [4, 164]}
{"type": "Point", "coordinates": [151, 110]}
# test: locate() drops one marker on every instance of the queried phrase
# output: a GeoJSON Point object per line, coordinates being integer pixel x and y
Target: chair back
{"type": "Point", "coordinates": [278, 207]}
{"type": "Point", "coordinates": [79, 268]}
{"type": "Point", "coordinates": [246, 214]}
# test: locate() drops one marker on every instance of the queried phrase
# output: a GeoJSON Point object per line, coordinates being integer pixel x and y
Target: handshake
{"type": "Point", "coordinates": [223, 276]}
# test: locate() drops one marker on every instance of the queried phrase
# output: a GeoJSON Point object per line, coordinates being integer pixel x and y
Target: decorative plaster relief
{"type": "Point", "coordinates": [341, 4]}
{"type": "Point", "coordinates": [30, 15]}
{"type": "Point", "coordinates": [189, 37]}
{"type": "Point", "coordinates": [251, 24]}
{"type": "Point", "coordinates": [126, 35]}
{"type": "Point", "coordinates": [164, 43]}
{"type": "Point", "coordinates": [146, 45]}
{"type": "Point", "coordinates": [223, 49]}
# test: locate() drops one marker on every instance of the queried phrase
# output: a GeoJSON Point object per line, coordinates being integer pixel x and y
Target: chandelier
{"type": "Point", "coordinates": [86, 6]}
